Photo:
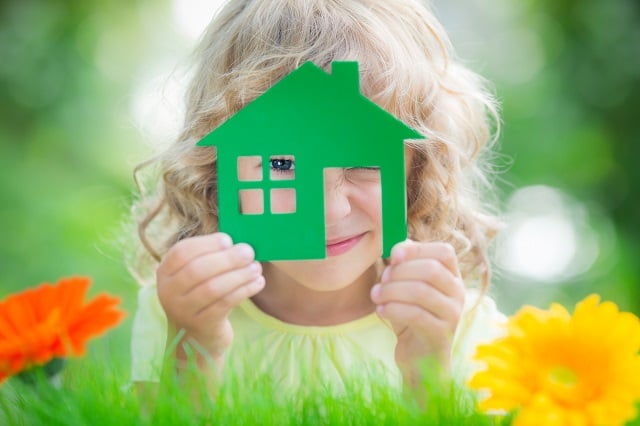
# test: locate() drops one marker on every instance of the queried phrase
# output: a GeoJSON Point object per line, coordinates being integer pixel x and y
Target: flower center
{"type": "Point", "coordinates": [563, 376]}
{"type": "Point", "coordinates": [563, 384]}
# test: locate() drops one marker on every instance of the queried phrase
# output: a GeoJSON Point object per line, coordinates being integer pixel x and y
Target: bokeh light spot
{"type": "Point", "coordinates": [548, 236]}
{"type": "Point", "coordinates": [193, 16]}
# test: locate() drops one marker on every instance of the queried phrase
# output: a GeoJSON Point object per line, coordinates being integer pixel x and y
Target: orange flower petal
{"type": "Point", "coordinates": [51, 320]}
{"type": "Point", "coordinates": [94, 319]}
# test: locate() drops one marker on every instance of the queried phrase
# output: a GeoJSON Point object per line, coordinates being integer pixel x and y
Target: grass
{"type": "Point", "coordinates": [95, 392]}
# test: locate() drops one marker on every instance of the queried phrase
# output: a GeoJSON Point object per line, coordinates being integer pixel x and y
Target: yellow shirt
{"type": "Point", "coordinates": [294, 355]}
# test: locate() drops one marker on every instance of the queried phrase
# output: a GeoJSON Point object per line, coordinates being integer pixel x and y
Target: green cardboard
{"type": "Point", "coordinates": [318, 120]}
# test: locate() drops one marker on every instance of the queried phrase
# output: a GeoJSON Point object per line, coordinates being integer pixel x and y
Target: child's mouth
{"type": "Point", "coordinates": [336, 247]}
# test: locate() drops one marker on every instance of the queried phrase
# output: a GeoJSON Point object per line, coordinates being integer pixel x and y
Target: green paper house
{"type": "Point", "coordinates": [318, 120]}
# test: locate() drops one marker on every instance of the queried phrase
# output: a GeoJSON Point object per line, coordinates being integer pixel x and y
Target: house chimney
{"type": "Point", "coordinates": [346, 74]}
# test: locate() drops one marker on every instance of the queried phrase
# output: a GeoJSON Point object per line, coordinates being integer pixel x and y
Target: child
{"type": "Point", "coordinates": [351, 313]}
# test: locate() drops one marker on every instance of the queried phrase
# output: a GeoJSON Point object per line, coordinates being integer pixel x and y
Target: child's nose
{"type": "Point", "coordinates": [336, 197]}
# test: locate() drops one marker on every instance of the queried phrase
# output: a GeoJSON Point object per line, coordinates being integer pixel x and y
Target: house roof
{"type": "Point", "coordinates": [323, 110]}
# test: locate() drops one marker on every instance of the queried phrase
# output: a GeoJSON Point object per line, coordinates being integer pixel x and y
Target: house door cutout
{"type": "Point", "coordinates": [352, 191]}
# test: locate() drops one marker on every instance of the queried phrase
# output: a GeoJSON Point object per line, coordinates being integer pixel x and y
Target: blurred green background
{"type": "Point", "coordinates": [88, 89]}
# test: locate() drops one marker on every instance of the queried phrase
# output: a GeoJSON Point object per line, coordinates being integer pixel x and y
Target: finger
{"type": "Point", "coordinates": [429, 271]}
{"type": "Point", "coordinates": [220, 286]}
{"type": "Point", "coordinates": [210, 265]}
{"type": "Point", "coordinates": [222, 307]}
{"type": "Point", "coordinates": [186, 250]}
{"type": "Point", "coordinates": [417, 294]}
{"type": "Point", "coordinates": [443, 252]}
{"type": "Point", "coordinates": [403, 316]}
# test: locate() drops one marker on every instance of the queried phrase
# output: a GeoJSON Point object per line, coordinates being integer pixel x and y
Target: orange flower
{"type": "Point", "coordinates": [50, 321]}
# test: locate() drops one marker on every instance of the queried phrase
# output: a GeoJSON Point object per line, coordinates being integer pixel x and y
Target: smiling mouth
{"type": "Point", "coordinates": [337, 247]}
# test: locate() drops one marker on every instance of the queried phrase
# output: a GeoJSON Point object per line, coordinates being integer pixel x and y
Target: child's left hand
{"type": "Point", "coordinates": [421, 294]}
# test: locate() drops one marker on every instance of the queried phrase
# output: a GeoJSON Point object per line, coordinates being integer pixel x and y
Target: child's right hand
{"type": "Point", "coordinates": [200, 279]}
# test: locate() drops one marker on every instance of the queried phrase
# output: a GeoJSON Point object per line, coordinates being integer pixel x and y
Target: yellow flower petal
{"type": "Point", "coordinates": [563, 369]}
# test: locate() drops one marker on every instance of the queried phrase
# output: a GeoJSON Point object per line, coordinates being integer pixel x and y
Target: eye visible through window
{"type": "Point", "coordinates": [362, 174]}
{"type": "Point", "coordinates": [282, 164]}
{"type": "Point", "coordinates": [363, 168]}
{"type": "Point", "coordinates": [282, 167]}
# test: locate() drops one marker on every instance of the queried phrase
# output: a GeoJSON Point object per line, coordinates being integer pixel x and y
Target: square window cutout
{"type": "Point", "coordinates": [251, 201]}
{"type": "Point", "coordinates": [282, 167]}
{"type": "Point", "coordinates": [250, 168]}
{"type": "Point", "coordinates": [283, 200]}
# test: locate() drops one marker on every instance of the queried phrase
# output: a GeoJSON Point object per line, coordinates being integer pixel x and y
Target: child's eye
{"type": "Point", "coordinates": [282, 164]}
{"type": "Point", "coordinates": [362, 171]}
{"type": "Point", "coordinates": [362, 174]}
{"type": "Point", "coordinates": [363, 168]}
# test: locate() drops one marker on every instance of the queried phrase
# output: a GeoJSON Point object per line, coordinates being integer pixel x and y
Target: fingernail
{"type": "Point", "coordinates": [245, 251]}
{"type": "Point", "coordinates": [375, 292]}
{"type": "Point", "coordinates": [259, 282]}
{"type": "Point", "coordinates": [385, 274]}
{"type": "Point", "coordinates": [255, 266]}
{"type": "Point", "coordinates": [397, 254]}
{"type": "Point", "coordinates": [225, 241]}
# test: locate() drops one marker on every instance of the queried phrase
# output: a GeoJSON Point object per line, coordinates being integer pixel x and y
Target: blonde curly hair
{"type": "Point", "coordinates": [406, 66]}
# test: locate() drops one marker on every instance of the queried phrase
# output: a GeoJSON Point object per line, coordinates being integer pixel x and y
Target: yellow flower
{"type": "Point", "coordinates": [559, 369]}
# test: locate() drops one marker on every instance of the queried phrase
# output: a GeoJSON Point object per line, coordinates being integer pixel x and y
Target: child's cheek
{"type": "Point", "coordinates": [369, 200]}
{"type": "Point", "coordinates": [283, 200]}
{"type": "Point", "coordinates": [251, 201]}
